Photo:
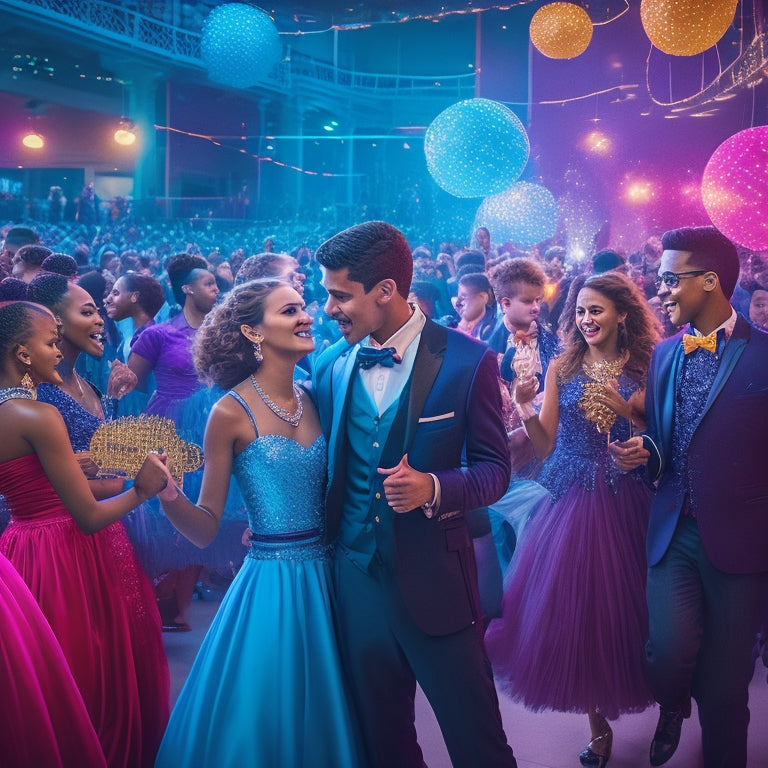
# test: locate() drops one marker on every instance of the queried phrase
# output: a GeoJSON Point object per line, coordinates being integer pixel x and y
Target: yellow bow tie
{"type": "Point", "coordinates": [694, 342]}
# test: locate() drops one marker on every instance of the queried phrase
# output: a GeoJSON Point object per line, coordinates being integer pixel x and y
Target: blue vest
{"type": "Point", "coordinates": [365, 507]}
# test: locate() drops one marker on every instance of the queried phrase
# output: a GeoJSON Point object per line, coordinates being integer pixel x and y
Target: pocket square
{"type": "Point", "coordinates": [439, 417]}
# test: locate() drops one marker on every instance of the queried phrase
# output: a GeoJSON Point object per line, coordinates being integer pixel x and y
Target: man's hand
{"type": "Point", "coordinates": [405, 487]}
{"type": "Point", "coordinates": [630, 454]}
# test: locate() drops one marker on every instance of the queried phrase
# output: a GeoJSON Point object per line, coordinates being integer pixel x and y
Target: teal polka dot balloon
{"type": "Point", "coordinates": [476, 148]}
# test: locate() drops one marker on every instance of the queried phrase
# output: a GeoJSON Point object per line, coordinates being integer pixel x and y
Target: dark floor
{"type": "Point", "coordinates": [540, 740]}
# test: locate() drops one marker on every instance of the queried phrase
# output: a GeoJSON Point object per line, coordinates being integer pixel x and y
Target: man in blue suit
{"type": "Point", "coordinates": [415, 440]}
{"type": "Point", "coordinates": [707, 405]}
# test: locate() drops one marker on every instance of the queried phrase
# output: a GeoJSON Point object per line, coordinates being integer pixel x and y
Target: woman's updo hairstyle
{"type": "Point", "coordinates": [16, 324]}
{"type": "Point", "coordinates": [150, 293]}
{"type": "Point", "coordinates": [49, 290]}
{"type": "Point", "coordinates": [220, 351]}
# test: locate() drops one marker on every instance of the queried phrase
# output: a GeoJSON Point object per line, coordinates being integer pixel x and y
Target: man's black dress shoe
{"type": "Point", "coordinates": [667, 736]}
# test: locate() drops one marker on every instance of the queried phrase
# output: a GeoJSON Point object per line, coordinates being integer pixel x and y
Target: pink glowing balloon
{"type": "Point", "coordinates": [735, 188]}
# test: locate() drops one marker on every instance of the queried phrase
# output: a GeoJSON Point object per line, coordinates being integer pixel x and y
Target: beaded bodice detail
{"type": "Point", "coordinates": [581, 452]}
{"type": "Point", "coordinates": [283, 485]}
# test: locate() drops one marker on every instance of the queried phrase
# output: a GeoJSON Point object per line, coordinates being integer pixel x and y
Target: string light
{"type": "Point", "coordinates": [260, 158]}
{"type": "Point", "coordinates": [745, 69]}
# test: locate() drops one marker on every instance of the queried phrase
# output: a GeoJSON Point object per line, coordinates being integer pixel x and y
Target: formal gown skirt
{"type": "Point", "coordinates": [266, 687]}
{"type": "Point", "coordinates": [101, 609]}
{"type": "Point", "coordinates": [574, 619]}
{"type": "Point", "coordinates": [43, 720]}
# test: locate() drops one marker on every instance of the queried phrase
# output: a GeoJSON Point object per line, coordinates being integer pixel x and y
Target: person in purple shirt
{"type": "Point", "coordinates": [165, 349]}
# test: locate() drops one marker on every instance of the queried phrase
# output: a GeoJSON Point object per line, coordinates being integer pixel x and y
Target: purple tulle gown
{"type": "Point", "coordinates": [574, 619]}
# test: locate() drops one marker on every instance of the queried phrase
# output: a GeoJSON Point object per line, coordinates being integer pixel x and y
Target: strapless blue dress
{"type": "Point", "coordinates": [267, 688]}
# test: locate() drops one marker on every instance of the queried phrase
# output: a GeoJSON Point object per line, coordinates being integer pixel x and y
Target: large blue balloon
{"type": "Point", "coordinates": [525, 213]}
{"type": "Point", "coordinates": [240, 45]}
{"type": "Point", "coordinates": [476, 148]}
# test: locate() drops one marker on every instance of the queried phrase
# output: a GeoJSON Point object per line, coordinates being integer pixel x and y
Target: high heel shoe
{"type": "Point", "coordinates": [597, 752]}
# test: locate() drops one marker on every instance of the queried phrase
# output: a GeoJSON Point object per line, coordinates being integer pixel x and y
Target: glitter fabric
{"type": "Point", "coordinates": [561, 30]}
{"type": "Point", "coordinates": [734, 188]}
{"type": "Point", "coordinates": [81, 424]}
{"type": "Point", "coordinates": [475, 148]}
{"type": "Point", "coordinates": [581, 454]}
{"type": "Point", "coordinates": [686, 27]}
{"type": "Point", "coordinates": [283, 485]}
{"type": "Point", "coordinates": [696, 378]}
{"type": "Point", "coordinates": [525, 213]}
{"type": "Point", "coordinates": [240, 45]}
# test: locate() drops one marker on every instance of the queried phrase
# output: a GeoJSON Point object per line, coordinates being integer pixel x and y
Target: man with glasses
{"type": "Point", "coordinates": [707, 404]}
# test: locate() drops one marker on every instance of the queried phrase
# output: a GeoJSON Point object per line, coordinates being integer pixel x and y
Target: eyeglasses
{"type": "Point", "coordinates": [672, 279]}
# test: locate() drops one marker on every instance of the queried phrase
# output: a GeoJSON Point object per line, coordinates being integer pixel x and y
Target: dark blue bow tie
{"type": "Point", "coordinates": [367, 357]}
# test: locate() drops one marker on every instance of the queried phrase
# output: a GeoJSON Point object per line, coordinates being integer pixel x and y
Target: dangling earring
{"type": "Point", "coordinates": [256, 344]}
{"type": "Point", "coordinates": [27, 383]}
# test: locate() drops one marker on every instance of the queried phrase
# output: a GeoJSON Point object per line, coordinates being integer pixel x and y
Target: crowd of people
{"type": "Point", "coordinates": [466, 467]}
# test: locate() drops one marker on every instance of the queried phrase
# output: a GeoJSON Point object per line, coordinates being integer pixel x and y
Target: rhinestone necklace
{"type": "Point", "coordinates": [292, 418]}
{"type": "Point", "coordinates": [16, 393]}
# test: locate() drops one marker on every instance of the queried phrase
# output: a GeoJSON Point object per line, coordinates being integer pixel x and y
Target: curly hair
{"type": "Point", "coordinates": [179, 267]}
{"type": "Point", "coordinates": [510, 274]}
{"type": "Point", "coordinates": [220, 351]}
{"type": "Point", "coordinates": [260, 266]}
{"type": "Point", "coordinates": [638, 334]}
{"type": "Point", "coordinates": [16, 324]}
{"type": "Point", "coordinates": [151, 296]}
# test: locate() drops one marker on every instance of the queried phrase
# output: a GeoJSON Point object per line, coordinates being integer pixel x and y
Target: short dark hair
{"type": "Point", "coordinates": [21, 236]}
{"type": "Point", "coordinates": [49, 289]}
{"type": "Point", "coordinates": [12, 289]}
{"type": "Point", "coordinates": [604, 261]}
{"type": "Point", "coordinates": [710, 250]}
{"type": "Point", "coordinates": [479, 283]}
{"type": "Point", "coordinates": [371, 252]}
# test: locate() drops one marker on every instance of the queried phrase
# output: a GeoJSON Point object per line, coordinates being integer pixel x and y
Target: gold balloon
{"type": "Point", "coordinates": [561, 30]}
{"type": "Point", "coordinates": [686, 27]}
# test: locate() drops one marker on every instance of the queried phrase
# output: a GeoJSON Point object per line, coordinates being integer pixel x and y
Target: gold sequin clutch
{"type": "Point", "coordinates": [122, 445]}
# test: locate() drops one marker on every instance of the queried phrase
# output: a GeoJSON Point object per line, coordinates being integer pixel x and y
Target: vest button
{"type": "Point", "coordinates": [375, 445]}
{"type": "Point", "coordinates": [377, 519]}
{"type": "Point", "coordinates": [378, 495]}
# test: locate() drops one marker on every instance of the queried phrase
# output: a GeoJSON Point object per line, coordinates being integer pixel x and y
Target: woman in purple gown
{"type": "Point", "coordinates": [64, 545]}
{"type": "Point", "coordinates": [574, 619]}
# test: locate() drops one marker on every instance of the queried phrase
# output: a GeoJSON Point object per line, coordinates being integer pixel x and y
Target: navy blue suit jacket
{"type": "Point", "coordinates": [451, 428]}
{"type": "Point", "coordinates": [727, 456]}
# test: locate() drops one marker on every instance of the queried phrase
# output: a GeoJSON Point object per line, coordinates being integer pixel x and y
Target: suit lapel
{"type": "Point", "coordinates": [731, 354]}
{"type": "Point", "coordinates": [342, 370]}
{"type": "Point", "coordinates": [426, 366]}
{"type": "Point", "coordinates": [669, 370]}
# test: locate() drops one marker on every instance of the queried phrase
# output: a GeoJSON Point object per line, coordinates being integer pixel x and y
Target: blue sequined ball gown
{"type": "Point", "coordinates": [266, 688]}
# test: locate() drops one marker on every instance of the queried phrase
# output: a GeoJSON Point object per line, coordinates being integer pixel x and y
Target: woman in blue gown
{"type": "Point", "coordinates": [266, 688]}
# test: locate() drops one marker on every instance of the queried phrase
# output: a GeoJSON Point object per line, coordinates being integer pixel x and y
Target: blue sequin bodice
{"type": "Point", "coordinates": [81, 424]}
{"type": "Point", "coordinates": [283, 486]}
{"type": "Point", "coordinates": [581, 453]}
